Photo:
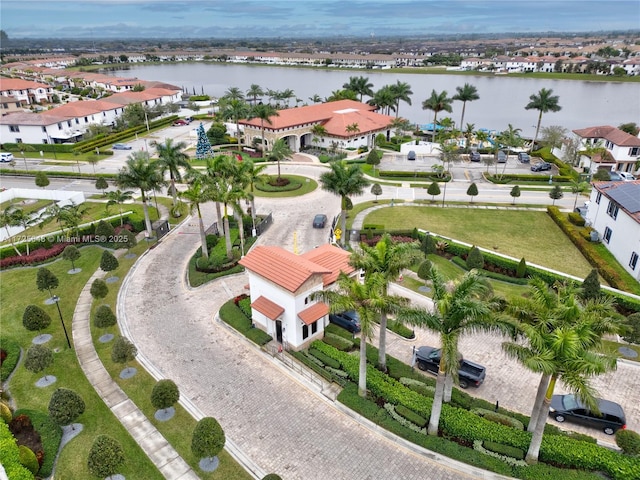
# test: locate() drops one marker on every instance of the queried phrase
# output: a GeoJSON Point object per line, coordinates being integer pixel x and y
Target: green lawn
{"type": "Point", "coordinates": [26, 205]}
{"type": "Point", "coordinates": [532, 235]}
{"type": "Point", "coordinates": [308, 185]}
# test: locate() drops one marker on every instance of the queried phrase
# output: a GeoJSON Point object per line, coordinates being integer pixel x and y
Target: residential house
{"type": "Point", "coordinates": [34, 128]}
{"type": "Point", "coordinates": [622, 149]}
{"type": "Point", "coordinates": [614, 212]}
{"type": "Point", "coordinates": [25, 91]}
{"type": "Point", "coordinates": [281, 285]}
{"type": "Point", "coordinates": [348, 124]}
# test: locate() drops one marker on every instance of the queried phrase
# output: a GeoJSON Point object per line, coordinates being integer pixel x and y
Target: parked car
{"type": "Point", "coordinates": [469, 373]}
{"type": "Point", "coordinates": [540, 167]}
{"type": "Point", "coordinates": [121, 146]}
{"type": "Point", "coordinates": [475, 157]}
{"type": "Point", "coordinates": [523, 157]}
{"type": "Point", "coordinates": [501, 157]}
{"type": "Point", "coordinates": [319, 220]}
{"type": "Point", "coordinates": [411, 155]}
{"type": "Point", "coordinates": [348, 320]}
{"type": "Point", "coordinates": [6, 157]}
{"type": "Point", "coordinates": [626, 176]}
{"type": "Point", "coordinates": [569, 407]}
{"type": "Point", "coordinates": [181, 121]}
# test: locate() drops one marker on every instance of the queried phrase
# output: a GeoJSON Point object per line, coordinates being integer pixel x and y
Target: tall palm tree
{"type": "Point", "coordinates": [280, 151]}
{"type": "Point", "coordinates": [119, 197]}
{"type": "Point", "coordinates": [233, 93]}
{"type": "Point", "coordinates": [544, 102]}
{"type": "Point", "coordinates": [437, 102]}
{"type": "Point", "coordinates": [25, 220]}
{"type": "Point", "coordinates": [220, 167]}
{"type": "Point", "coordinates": [264, 112]}
{"type": "Point", "coordinates": [579, 188]}
{"type": "Point", "coordinates": [561, 337]}
{"type": "Point", "coordinates": [233, 109]}
{"type": "Point", "coordinates": [401, 92]}
{"type": "Point", "coordinates": [287, 94]}
{"type": "Point", "coordinates": [196, 195]}
{"type": "Point", "coordinates": [384, 99]}
{"type": "Point", "coordinates": [468, 133]}
{"type": "Point", "coordinates": [466, 93]}
{"type": "Point", "coordinates": [8, 219]}
{"type": "Point", "coordinates": [316, 98]}
{"type": "Point", "coordinates": [255, 91]}
{"type": "Point", "coordinates": [367, 299]}
{"type": "Point", "coordinates": [344, 180]}
{"type": "Point", "coordinates": [458, 310]}
{"type": "Point", "coordinates": [400, 125]}
{"type": "Point", "coordinates": [510, 138]}
{"type": "Point", "coordinates": [250, 173]}
{"type": "Point", "coordinates": [387, 259]}
{"type": "Point", "coordinates": [352, 128]}
{"type": "Point", "coordinates": [171, 158]}
{"type": "Point", "coordinates": [318, 131]}
{"type": "Point", "coordinates": [140, 173]}
{"type": "Point", "coordinates": [360, 85]}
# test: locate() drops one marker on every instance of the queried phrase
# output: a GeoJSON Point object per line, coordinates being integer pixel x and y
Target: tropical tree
{"type": "Point", "coordinates": [360, 85]}
{"type": "Point", "coordinates": [399, 125]}
{"type": "Point", "coordinates": [102, 184]}
{"type": "Point", "coordinates": [556, 193]}
{"type": "Point", "coordinates": [466, 93]}
{"type": "Point", "coordinates": [344, 94]}
{"type": "Point", "coordinates": [387, 259]}
{"type": "Point", "coordinates": [41, 179]}
{"type": "Point", "coordinates": [234, 109]}
{"type": "Point", "coordinates": [119, 197]}
{"type": "Point", "coordinates": [510, 138]}
{"type": "Point", "coordinates": [401, 92]}
{"type": "Point", "coordinates": [171, 158]}
{"type": "Point", "coordinates": [46, 280]}
{"type": "Point", "coordinates": [198, 194]}
{"type": "Point", "coordinates": [433, 190]}
{"type": "Point", "coordinates": [368, 300]}
{"type": "Point", "coordinates": [344, 180]}
{"type": "Point", "coordinates": [458, 310]}
{"type": "Point", "coordinates": [376, 190]}
{"type": "Point", "coordinates": [579, 188]}
{"type": "Point", "coordinates": [8, 219]}
{"type": "Point", "coordinates": [264, 112]}
{"type": "Point", "coordinates": [250, 173]}
{"type": "Point", "coordinates": [352, 128]}
{"type": "Point", "coordinates": [318, 131]}
{"type": "Point", "coordinates": [544, 101]}
{"type": "Point", "coordinates": [384, 99]}
{"type": "Point", "coordinates": [280, 151]}
{"type": "Point", "coordinates": [233, 93]}
{"type": "Point", "coordinates": [72, 254]}
{"type": "Point", "coordinates": [437, 102]}
{"type": "Point", "coordinates": [140, 173]}
{"type": "Point", "coordinates": [255, 92]}
{"type": "Point", "coordinates": [515, 193]}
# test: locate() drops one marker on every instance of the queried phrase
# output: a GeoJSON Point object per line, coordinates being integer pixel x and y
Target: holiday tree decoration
{"type": "Point", "coordinates": [203, 147]}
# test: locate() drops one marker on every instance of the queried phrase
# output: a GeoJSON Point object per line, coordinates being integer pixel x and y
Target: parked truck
{"type": "Point", "coordinates": [469, 373]}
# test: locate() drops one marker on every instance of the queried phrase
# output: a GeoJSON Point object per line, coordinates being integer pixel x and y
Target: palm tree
{"type": "Point", "coordinates": [344, 180]}
{"type": "Point", "coordinates": [119, 197]}
{"type": "Point", "coordinates": [352, 128]}
{"type": "Point", "coordinates": [255, 92]}
{"type": "Point", "coordinates": [280, 151]}
{"type": "Point", "coordinates": [437, 102]}
{"type": "Point", "coordinates": [140, 173]}
{"type": "Point", "coordinates": [562, 339]}
{"type": "Point", "coordinates": [359, 85]}
{"type": "Point", "coordinates": [234, 93]}
{"type": "Point", "coordinates": [468, 132]}
{"type": "Point", "coordinates": [171, 159]}
{"type": "Point", "coordinates": [401, 91]}
{"type": "Point", "coordinates": [233, 109]}
{"type": "Point", "coordinates": [287, 94]}
{"type": "Point", "coordinates": [384, 99]}
{"type": "Point", "coordinates": [544, 102]}
{"type": "Point", "coordinates": [466, 93]}
{"type": "Point", "coordinates": [25, 220]}
{"type": "Point", "coordinates": [250, 173]}
{"type": "Point", "coordinates": [579, 188]}
{"type": "Point", "coordinates": [197, 194]}
{"type": "Point", "coordinates": [510, 138]}
{"type": "Point", "coordinates": [219, 167]}
{"type": "Point", "coordinates": [458, 310]}
{"type": "Point", "coordinates": [400, 125]}
{"type": "Point", "coordinates": [264, 112]}
{"type": "Point", "coordinates": [387, 259]}
{"type": "Point", "coordinates": [318, 131]}
{"type": "Point", "coordinates": [316, 98]}
{"type": "Point", "coordinates": [8, 219]}
{"type": "Point", "coordinates": [368, 300]}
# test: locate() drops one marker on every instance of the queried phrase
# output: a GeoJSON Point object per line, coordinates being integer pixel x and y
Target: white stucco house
{"type": "Point", "coordinates": [623, 149]}
{"type": "Point", "coordinates": [281, 284]}
{"type": "Point", "coordinates": [614, 212]}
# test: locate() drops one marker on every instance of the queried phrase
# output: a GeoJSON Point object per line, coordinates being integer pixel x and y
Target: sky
{"type": "Point", "coordinates": [128, 19]}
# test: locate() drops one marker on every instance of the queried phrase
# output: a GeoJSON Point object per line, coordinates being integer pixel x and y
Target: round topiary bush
{"type": "Point", "coordinates": [65, 406]}
{"type": "Point", "coordinates": [34, 318]}
{"type": "Point", "coordinates": [104, 317]}
{"type": "Point", "coordinates": [5, 413]}
{"type": "Point", "coordinates": [475, 259]}
{"type": "Point", "coordinates": [105, 457]}
{"type": "Point", "coordinates": [99, 288]}
{"type": "Point", "coordinates": [628, 441]}
{"type": "Point", "coordinates": [424, 269]}
{"type": "Point", "coordinates": [208, 438]}
{"type": "Point", "coordinates": [272, 476]}
{"type": "Point", "coordinates": [28, 459]}
{"type": "Point", "coordinates": [164, 394]}
{"type": "Point", "coordinates": [38, 358]}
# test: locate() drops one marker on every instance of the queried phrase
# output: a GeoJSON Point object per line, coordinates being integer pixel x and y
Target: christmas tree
{"type": "Point", "coordinates": [203, 148]}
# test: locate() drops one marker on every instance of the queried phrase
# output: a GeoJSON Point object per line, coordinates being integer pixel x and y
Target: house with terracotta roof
{"type": "Point", "coordinates": [25, 91]}
{"type": "Point", "coordinates": [348, 124]}
{"type": "Point", "coordinates": [281, 284]}
{"type": "Point", "coordinates": [614, 212]}
{"type": "Point", "coordinates": [622, 149]}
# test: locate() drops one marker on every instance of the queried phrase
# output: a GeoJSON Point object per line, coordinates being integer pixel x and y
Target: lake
{"type": "Point", "coordinates": [502, 98]}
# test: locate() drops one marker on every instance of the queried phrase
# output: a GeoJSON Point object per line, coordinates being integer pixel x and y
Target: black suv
{"type": "Point", "coordinates": [569, 407]}
{"type": "Point", "coordinates": [348, 320]}
{"type": "Point", "coordinates": [539, 167]}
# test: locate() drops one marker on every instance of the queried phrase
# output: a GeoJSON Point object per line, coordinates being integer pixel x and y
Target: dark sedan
{"type": "Point", "coordinates": [348, 320]}
{"type": "Point", "coordinates": [569, 407]}
{"type": "Point", "coordinates": [540, 167]}
{"type": "Point", "coordinates": [475, 157]}
{"type": "Point", "coordinates": [320, 220]}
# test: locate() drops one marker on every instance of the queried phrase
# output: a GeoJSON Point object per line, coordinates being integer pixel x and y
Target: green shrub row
{"type": "Point", "coordinates": [466, 426]}
{"type": "Point", "coordinates": [563, 168]}
{"type": "Point", "coordinates": [325, 359]}
{"type": "Point", "coordinates": [504, 450]}
{"type": "Point", "coordinates": [231, 314]}
{"type": "Point", "coordinates": [40, 147]}
{"type": "Point", "coordinates": [10, 456]}
{"type": "Point", "coordinates": [338, 342]}
{"type": "Point", "coordinates": [499, 418]}
{"type": "Point", "coordinates": [323, 372]}
{"type": "Point", "coordinates": [13, 356]}
{"type": "Point", "coordinates": [489, 274]}
{"type": "Point", "coordinates": [339, 331]}
{"type": "Point", "coordinates": [410, 415]}
{"type": "Point", "coordinates": [51, 435]}
{"type": "Point", "coordinates": [525, 177]}
{"type": "Point", "coordinates": [576, 219]}
{"type": "Point", "coordinates": [408, 174]}
{"type": "Point", "coordinates": [400, 329]}
{"type": "Point", "coordinates": [58, 174]}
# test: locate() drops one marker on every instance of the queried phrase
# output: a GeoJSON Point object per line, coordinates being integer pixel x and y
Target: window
{"type": "Point", "coordinates": [44, 129]}
{"type": "Point", "coordinates": [634, 151]}
{"type": "Point", "coordinates": [607, 234]}
{"type": "Point", "coordinates": [305, 331]}
{"type": "Point", "coordinates": [609, 145]}
{"type": "Point", "coordinates": [14, 128]}
{"type": "Point", "coordinates": [598, 197]}
{"type": "Point", "coordinates": [314, 325]}
{"type": "Point", "coordinates": [634, 260]}
{"type": "Point", "coordinates": [612, 210]}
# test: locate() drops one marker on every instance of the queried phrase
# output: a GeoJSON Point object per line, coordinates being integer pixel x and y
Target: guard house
{"type": "Point", "coordinates": [281, 284]}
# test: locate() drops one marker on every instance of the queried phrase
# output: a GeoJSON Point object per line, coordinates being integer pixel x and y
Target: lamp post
{"type": "Point", "coordinates": [56, 299]}
{"type": "Point", "coordinates": [24, 159]}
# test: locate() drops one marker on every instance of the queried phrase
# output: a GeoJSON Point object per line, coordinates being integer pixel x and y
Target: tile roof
{"type": "Point", "coordinates": [128, 97]}
{"type": "Point", "coordinates": [313, 313]}
{"type": "Point", "coordinates": [19, 84]}
{"type": "Point", "coordinates": [333, 258]}
{"type": "Point", "coordinates": [82, 108]}
{"type": "Point", "coordinates": [30, 118]}
{"type": "Point", "coordinates": [613, 134]}
{"type": "Point", "coordinates": [267, 307]}
{"type": "Point", "coordinates": [334, 116]}
{"type": "Point", "coordinates": [281, 267]}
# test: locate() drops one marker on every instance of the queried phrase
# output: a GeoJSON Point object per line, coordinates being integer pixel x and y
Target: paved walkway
{"type": "Point", "coordinates": [150, 440]}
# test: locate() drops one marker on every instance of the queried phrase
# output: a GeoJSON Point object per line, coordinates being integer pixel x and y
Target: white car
{"type": "Point", "coordinates": [627, 177]}
{"type": "Point", "coordinates": [6, 157]}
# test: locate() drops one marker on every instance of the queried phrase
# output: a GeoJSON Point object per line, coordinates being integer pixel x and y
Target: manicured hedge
{"type": "Point", "coordinates": [338, 342]}
{"type": "Point", "coordinates": [410, 415]}
{"type": "Point", "coordinates": [51, 435]}
{"type": "Point", "coordinates": [506, 450]}
{"type": "Point", "coordinates": [13, 356]}
{"type": "Point", "coordinates": [231, 314]}
{"type": "Point", "coordinates": [512, 177]}
{"type": "Point", "coordinates": [409, 174]}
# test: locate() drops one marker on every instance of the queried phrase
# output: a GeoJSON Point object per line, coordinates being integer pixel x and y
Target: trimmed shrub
{"type": "Point", "coordinates": [35, 318]}
{"type": "Point", "coordinates": [208, 438]}
{"type": "Point", "coordinates": [108, 262]}
{"type": "Point", "coordinates": [576, 219]}
{"type": "Point", "coordinates": [164, 394]}
{"type": "Point", "coordinates": [12, 350]}
{"type": "Point", "coordinates": [104, 317]}
{"type": "Point", "coordinates": [628, 441]}
{"type": "Point", "coordinates": [123, 350]}
{"type": "Point", "coordinates": [337, 341]}
{"type": "Point", "coordinates": [499, 418]}
{"type": "Point", "coordinates": [521, 270]}
{"type": "Point", "coordinates": [71, 254]}
{"type": "Point", "coordinates": [325, 359]}
{"type": "Point", "coordinates": [38, 358]}
{"type": "Point", "coordinates": [475, 259]}
{"type": "Point", "coordinates": [104, 232]}
{"type": "Point", "coordinates": [424, 269]}
{"type": "Point", "coordinates": [65, 406]}
{"type": "Point", "coordinates": [105, 457]}
{"type": "Point", "coordinates": [632, 328]}
{"type": "Point", "coordinates": [51, 436]}
{"type": "Point", "coordinates": [506, 450]}
{"type": "Point", "coordinates": [99, 289]}
{"type": "Point", "coordinates": [273, 476]}
{"type": "Point", "coordinates": [591, 286]}
{"type": "Point", "coordinates": [410, 415]}
{"type": "Point", "coordinates": [28, 459]}
{"type": "Point", "coordinates": [231, 314]}
{"type": "Point", "coordinates": [5, 413]}
{"type": "Point", "coordinates": [428, 245]}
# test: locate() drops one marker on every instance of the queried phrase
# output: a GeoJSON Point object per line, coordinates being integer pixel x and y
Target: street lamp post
{"type": "Point", "coordinates": [56, 299]}
{"type": "Point", "coordinates": [24, 159]}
